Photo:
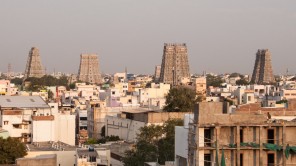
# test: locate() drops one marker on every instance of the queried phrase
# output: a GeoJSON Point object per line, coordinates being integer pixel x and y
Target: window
{"type": "Point", "coordinates": [207, 160]}
{"type": "Point", "coordinates": [270, 136]}
{"type": "Point", "coordinates": [241, 135]}
{"type": "Point", "coordinates": [83, 118]}
{"type": "Point", "coordinates": [207, 137]}
{"type": "Point", "coordinates": [17, 126]}
{"type": "Point", "coordinates": [241, 159]}
{"type": "Point", "coordinates": [113, 92]}
{"type": "Point", "coordinates": [5, 122]}
{"type": "Point", "coordinates": [270, 159]}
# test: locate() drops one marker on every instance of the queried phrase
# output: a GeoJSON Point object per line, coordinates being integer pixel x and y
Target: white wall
{"type": "Point", "coordinates": [126, 129]}
{"type": "Point", "coordinates": [43, 131]}
{"type": "Point", "coordinates": [65, 128]}
{"type": "Point", "coordinates": [64, 158]}
{"type": "Point", "coordinates": [181, 141]}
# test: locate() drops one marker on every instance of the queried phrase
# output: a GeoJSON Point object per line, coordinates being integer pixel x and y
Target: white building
{"type": "Point", "coordinates": [93, 156]}
{"type": "Point", "coordinates": [32, 120]}
{"type": "Point", "coordinates": [157, 92]}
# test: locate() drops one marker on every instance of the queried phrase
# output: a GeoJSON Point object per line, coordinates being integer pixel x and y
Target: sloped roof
{"type": "Point", "coordinates": [22, 102]}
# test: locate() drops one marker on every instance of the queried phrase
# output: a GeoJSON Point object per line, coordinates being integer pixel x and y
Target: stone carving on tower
{"type": "Point", "coordinates": [175, 66]}
{"type": "Point", "coordinates": [34, 67]}
{"type": "Point", "coordinates": [89, 69]}
{"type": "Point", "coordinates": [262, 73]}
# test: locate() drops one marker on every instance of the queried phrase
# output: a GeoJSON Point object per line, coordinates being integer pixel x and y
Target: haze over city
{"type": "Point", "coordinates": [222, 36]}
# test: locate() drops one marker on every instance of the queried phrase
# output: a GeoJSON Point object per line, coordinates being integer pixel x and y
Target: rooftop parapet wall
{"type": "Point", "coordinates": [256, 107]}
{"type": "Point", "coordinates": [43, 118]}
{"type": "Point", "coordinates": [164, 116]}
{"type": "Point", "coordinates": [231, 119]}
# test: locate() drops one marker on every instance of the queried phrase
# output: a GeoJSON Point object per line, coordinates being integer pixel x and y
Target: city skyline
{"type": "Point", "coordinates": [222, 37]}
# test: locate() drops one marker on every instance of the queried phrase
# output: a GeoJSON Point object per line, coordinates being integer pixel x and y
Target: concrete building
{"type": "Point", "coordinates": [200, 86]}
{"type": "Point", "coordinates": [154, 95]}
{"type": "Point", "coordinates": [174, 64]}
{"type": "Point", "coordinates": [93, 156]}
{"type": "Point", "coordinates": [263, 72]}
{"type": "Point", "coordinates": [81, 126]}
{"type": "Point", "coordinates": [252, 135]}
{"type": "Point", "coordinates": [127, 124]}
{"type": "Point", "coordinates": [89, 70]}
{"type": "Point", "coordinates": [5, 87]}
{"type": "Point", "coordinates": [30, 119]}
{"type": "Point", "coordinates": [44, 160]}
{"type": "Point", "coordinates": [88, 91]}
{"type": "Point", "coordinates": [34, 67]}
{"type": "Point", "coordinates": [96, 113]}
{"type": "Point", "coordinates": [244, 96]}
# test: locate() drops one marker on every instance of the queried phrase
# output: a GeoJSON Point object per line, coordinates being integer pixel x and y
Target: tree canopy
{"type": "Point", "coordinates": [180, 99]}
{"type": "Point", "coordinates": [154, 143]}
{"type": "Point", "coordinates": [47, 80]}
{"type": "Point", "coordinates": [214, 81]}
{"type": "Point", "coordinates": [10, 150]}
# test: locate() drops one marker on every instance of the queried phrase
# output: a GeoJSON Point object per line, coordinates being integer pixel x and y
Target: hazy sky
{"type": "Point", "coordinates": [221, 35]}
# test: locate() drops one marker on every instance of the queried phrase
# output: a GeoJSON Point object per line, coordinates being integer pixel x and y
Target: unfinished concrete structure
{"type": "Point", "coordinates": [254, 136]}
{"type": "Point", "coordinates": [262, 72]}
{"type": "Point", "coordinates": [89, 69]}
{"type": "Point", "coordinates": [34, 67]}
{"type": "Point", "coordinates": [175, 64]}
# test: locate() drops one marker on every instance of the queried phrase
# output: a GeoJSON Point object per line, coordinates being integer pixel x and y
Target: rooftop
{"type": "Point", "coordinates": [22, 102]}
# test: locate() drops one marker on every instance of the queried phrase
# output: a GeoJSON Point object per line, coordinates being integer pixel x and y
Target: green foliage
{"type": "Point", "coordinates": [214, 81]}
{"type": "Point", "coordinates": [242, 82]}
{"type": "Point", "coordinates": [38, 84]}
{"type": "Point", "coordinates": [234, 75]}
{"type": "Point", "coordinates": [103, 130]}
{"type": "Point", "coordinates": [281, 101]}
{"type": "Point", "coordinates": [17, 81]}
{"type": "Point", "coordinates": [91, 141]}
{"type": "Point", "coordinates": [50, 94]}
{"type": "Point", "coordinates": [180, 99]}
{"type": "Point", "coordinates": [154, 143]}
{"type": "Point", "coordinates": [107, 139]}
{"type": "Point", "coordinates": [10, 150]}
{"type": "Point", "coordinates": [72, 86]}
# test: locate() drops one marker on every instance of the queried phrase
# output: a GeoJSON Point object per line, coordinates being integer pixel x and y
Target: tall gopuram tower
{"type": "Point", "coordinates": [262, 73]}
{"type": "Point", "coordinates": [174, 64]}
{"type": "Point", "coordinates": [34, 67]}
{"type": "Point", "coordinates": [89, 69]}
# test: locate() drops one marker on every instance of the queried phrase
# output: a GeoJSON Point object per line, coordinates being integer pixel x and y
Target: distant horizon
{"type": "Point", "coordinates": [221, 36]}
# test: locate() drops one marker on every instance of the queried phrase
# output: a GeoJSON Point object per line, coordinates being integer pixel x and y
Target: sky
{"type": "Point", "coordinates": [222, 36]}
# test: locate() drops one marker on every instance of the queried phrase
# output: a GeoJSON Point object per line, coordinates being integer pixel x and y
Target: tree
{"type": "Point", "coordinates": [180, 99]}
{"type": "Point", "coordinates": [17, 81]}
{"type": "Point", "coordinates": [10, 150]}
{"type": "Point", "coordinates": [214, 81]}
{"type": "Point", "coordinates": [91, 141]}
{"type": "Point", "coordinates": [242, 82]}
{"type": "Point", "coordinates": [154, 143]}
{"type": "Point", "coordinates": [50, 94]}
{"type": "Point", "coordinates": [103, 130]}
{"type": "Point", "coordinates": [166, 145]}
